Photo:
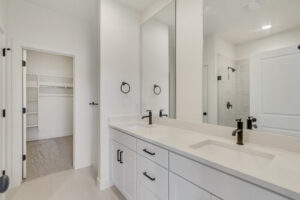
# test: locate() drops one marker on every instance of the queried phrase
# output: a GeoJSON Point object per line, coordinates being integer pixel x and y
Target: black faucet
{"type": "Point", "coordinates": [250, 122]}
{"type": "Point", "coordinates": [239, 132]}
{"type": "Point", "coordinates": [161, 114]}
{"type": "Point", "coordinates": [148, 116]}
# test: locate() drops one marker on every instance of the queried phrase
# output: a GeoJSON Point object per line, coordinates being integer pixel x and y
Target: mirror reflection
{"type": "Point", "coordinates": [251, 65]}
{"type": "Point", "coordinates": [158, 68]}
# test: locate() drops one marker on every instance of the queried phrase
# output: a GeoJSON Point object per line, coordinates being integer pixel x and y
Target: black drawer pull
{"type": "Point", "coordinates": [149, 177]}
{"type": "Point", "coordinates": [118, 155]}
{"type": "Point", "coordinates": [121, 157]}
{"type": "Point", "coordinates": [148, 152]}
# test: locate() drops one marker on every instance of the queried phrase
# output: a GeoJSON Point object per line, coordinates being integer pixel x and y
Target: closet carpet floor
{"type": "Point", "coordinates": [49, 156]}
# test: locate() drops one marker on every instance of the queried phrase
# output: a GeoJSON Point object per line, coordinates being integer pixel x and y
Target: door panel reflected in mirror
{"type": "Point", "coordinates": [251, 64]}
{"type": "Point", "coordinates": [158, 63]}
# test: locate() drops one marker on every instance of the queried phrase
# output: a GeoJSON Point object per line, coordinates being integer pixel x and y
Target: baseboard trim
{"type": "Point", "coordinates": [104, 184]}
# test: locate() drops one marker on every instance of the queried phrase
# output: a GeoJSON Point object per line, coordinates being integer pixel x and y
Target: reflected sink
{"type": "Point", "coordinates": [230, 152]}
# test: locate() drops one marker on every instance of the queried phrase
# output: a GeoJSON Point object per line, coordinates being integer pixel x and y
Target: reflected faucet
{"type": "Point", "coordinates": [250, 122]}
{"type": "Point", "coordinates": [148, 116]}
{"type": "Point", "coordinates": [161, 114]}
{"type": "Point", "coordinates": [239, 132]}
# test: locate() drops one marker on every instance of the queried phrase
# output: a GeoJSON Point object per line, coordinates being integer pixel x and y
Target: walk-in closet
{"type": "Point", "coordinates": [47, 113]}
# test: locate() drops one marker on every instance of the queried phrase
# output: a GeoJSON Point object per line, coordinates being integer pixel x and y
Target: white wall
{"type": "Point", "coordinates": [172, 80]}
{"type": "Point", "coordinates": [52, 109]}
{"type": "Point", "coordinates": [49, 64]}
{"type": "Point", "coordinates": [153, 9]}
{"type": "Point", "coordinates": [30, 25]}
{"type": "Point", "coordinates": [3, 14]}
{"type": "Point", "coordinates": [209, 57]}
{"type": "Point", "coordinates": [155, 66]}
{"type": "Point", "coordinates": [189, 38]}
{"type": "Point", "coordinates": [281, 40]}
{"type": "Point", "coordinates": [120, 53]}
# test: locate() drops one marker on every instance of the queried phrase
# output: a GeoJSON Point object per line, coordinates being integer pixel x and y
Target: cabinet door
{"type": "Point", "coordinates": [144, 194]}
{"type": "Point", "coordinates": [182, 189]}
{"type": "Point", "coordinates": [128, 159]}
{"type": "Point", "coordinates": [117, 173]}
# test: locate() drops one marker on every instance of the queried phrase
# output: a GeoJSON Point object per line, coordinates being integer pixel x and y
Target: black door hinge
{"type": "Point", "coordinates": [4, 51]}
{"type": "Point", "coordinates": [23, 157]}
{"type": "Point", "coordinates": [3, 113]}
{"type": "Point", "coordinates": [23, 110]}
{"type": "Point", "coordinates": [219, 78]}
{"type": "Point", "coordinates": [23, 63]}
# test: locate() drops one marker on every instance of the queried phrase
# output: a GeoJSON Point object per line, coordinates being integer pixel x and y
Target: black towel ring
{"type": "Point", "coordinates": [157, 89]}
{"type": "Point", "coordinates": [122, 88]}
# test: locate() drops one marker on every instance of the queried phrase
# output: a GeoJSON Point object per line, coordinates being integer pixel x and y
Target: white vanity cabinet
{"type": "Point", "coordinates": [182, 189]}
{"type": "Point", "coordinates": [153, 178]}
{"type": "Point", "coordinates": [123, 163]}
{"type": "Point", "coordinates": [218, 183]}
{"type": "Point", "coordinates": [144, 171]}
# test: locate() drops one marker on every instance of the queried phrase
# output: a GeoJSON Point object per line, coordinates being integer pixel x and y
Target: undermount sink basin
{"type": "Point", "coordinates": [232, 153]}
{"type": "Point", "coordinates": [139, 126]}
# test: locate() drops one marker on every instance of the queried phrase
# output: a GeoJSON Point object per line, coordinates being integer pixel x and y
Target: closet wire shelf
{"type": "Point", "coordinates": [44, 86]}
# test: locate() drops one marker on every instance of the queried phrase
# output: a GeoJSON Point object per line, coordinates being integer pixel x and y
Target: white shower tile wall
{"type": "Point", "coordinates": [233, 88]}
{"type": "Point", "coordinates": [243, 89]}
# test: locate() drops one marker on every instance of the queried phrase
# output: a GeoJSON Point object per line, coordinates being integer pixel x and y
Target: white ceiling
{"type": "Point", "coordinates": [139, 5]}
{"type": "Point", "coordinates": [241, 20]}
{"type": "Point", "coordinates": [86, 9]}
{"type": "Point", "coordinates": [167, 15]}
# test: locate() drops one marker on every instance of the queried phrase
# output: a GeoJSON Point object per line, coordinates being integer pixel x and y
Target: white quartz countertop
{"type": "Point", "coordinates": [274, 169]}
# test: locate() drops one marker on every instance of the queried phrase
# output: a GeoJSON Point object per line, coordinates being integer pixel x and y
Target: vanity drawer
{"type": "Point", "coordinates": [154, 153]}
{"type": "Point", "coordinates": [123, 138]}
{"type": "Point", "coordinates": [218, 183]}
{"type": "Point", "coordinates": [153, 177]}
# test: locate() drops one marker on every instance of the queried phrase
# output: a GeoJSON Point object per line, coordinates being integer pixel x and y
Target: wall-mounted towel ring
{"type": "Point", "coordinates": [125, 89]}
{"type": "Point", "coordinates": [156, 89]}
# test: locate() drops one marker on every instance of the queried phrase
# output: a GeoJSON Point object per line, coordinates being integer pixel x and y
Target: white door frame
{"type": "Point", "coordinates": [24, 114]}
{"type": "Point", "coordinates": [2, 105]}
{"type": "Point", "coordinates": [15, 105]}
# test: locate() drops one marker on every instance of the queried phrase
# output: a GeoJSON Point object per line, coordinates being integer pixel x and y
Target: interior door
{"type": "Point", "coordinates": [275, 90]}
{"type": "Point", "coordinates": [24, 115]}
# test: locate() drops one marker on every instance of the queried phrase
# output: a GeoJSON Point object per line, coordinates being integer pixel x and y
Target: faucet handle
{"type": "Point", "coordinates": [253, 119]}
{"type": "Point", "coordinates": [238, 120]}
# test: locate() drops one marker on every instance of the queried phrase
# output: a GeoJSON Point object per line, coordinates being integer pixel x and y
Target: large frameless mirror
{"type": "Point", "coordinates": [251, 67]}
{"type": "Point", "coordinates": [158, 62]}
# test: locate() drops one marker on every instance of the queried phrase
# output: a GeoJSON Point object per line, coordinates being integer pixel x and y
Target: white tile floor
{"type": "Point", "coordinates": [66, 185]}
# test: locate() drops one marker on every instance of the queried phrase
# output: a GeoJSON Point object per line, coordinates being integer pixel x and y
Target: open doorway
{"type": "Point", "coordinates": [47, 113]}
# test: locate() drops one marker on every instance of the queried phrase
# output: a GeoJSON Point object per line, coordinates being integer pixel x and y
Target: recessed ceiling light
{"type": "Point", "coordinates": [266, 27]}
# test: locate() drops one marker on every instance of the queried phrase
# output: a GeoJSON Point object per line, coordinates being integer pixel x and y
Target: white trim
{"type": "Point", "coordinates": [15, 106]}
{"type": "Point", "coordinates": [104, 184]}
